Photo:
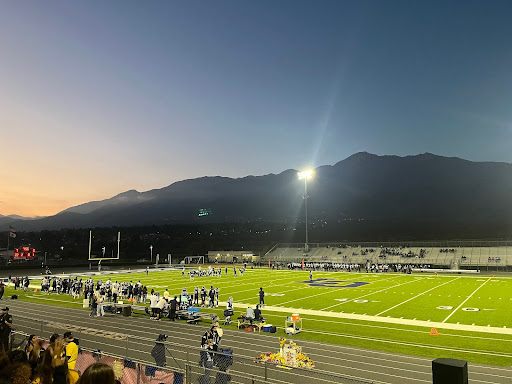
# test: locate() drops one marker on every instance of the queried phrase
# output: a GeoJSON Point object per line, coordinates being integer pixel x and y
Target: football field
{"type": "Point", "coordinates": [392, 312]}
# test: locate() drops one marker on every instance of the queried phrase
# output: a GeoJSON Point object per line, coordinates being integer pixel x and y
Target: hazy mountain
{"type": "Point", "coordinates": [415, 189]}
{"type": "Point", "coordinates": [12, 219]}
{"type": "Point", "coordinates": [124, 199]}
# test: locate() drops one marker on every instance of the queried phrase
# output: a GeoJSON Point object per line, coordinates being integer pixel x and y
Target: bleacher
{"type": "Point", "coordinates": [483, 255]}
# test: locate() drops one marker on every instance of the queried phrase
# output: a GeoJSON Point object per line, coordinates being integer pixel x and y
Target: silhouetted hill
{"type": "Point", "coordinates": [414, 189]}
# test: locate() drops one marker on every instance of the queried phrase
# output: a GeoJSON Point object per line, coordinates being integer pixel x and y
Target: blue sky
{"type": "Point", "coordinates": [101, 97]}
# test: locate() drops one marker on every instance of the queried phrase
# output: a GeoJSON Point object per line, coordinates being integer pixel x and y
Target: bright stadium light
{"type": "Point", "coordinates": [307, 174]}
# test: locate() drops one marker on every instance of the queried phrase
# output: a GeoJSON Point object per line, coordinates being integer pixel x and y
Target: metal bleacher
{"type": "Point", "coordinates": [469, 254]}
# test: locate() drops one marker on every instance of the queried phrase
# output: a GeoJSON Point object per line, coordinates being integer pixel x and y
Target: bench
{"type": "Point", "coordinates": [115, 306]}
{"type": "Point", "coordinates": [192, 315]}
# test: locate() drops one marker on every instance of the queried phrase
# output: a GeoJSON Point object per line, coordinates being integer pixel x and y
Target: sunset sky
{"type": "Point", "coordinates": [99, 97]}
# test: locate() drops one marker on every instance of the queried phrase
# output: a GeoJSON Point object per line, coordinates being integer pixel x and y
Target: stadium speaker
{"type": "Point", "coordinates": [14, 297]}
{"type": "Point", "coordinates": [449, 371]}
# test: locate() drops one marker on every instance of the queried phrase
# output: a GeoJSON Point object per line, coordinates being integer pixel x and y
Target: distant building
{"type": "Point", "coordinates": [233, 257]}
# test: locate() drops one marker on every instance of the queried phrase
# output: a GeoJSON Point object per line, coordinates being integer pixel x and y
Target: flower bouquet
{"type": "Point", "coordinates": [289, 355]}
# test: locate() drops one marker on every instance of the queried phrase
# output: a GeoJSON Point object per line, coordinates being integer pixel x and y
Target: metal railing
{"type": "Point", "coordinates": [181, 358]}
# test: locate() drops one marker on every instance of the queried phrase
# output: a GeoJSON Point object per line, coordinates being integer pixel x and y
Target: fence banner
{"type": "Point", "coordinates": [83, 361]}
{"type": "Point", "coordinates": [129, 376]}
{"type": "Point", "coordinates": [161, 376]}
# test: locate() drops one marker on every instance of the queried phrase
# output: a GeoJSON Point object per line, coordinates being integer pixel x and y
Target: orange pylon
{"type": "Point", "coordinates": [434, 332]}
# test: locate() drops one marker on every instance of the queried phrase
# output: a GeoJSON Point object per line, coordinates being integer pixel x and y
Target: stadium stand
{"type": "Point", "coordinates": [484, 255]}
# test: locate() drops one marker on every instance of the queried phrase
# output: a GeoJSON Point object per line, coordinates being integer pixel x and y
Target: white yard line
{"type": "Point", "coordinates": [302, 298]}
{"type": "Point", "coordinates": [368, 294]}
{"type": "Point", "coordinates": [269, 294]}
{"type": "Point", "coordinates": [414, 297]}
{"type": "Point", "coordinates": [469, 297]}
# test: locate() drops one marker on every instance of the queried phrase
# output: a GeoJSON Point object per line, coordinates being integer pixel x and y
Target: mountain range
{"type": "Point", "coordinates": [416, 189]}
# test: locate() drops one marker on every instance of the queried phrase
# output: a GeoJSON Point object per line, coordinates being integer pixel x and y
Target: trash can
{"type": "Point", "coordinates": [127, 311]}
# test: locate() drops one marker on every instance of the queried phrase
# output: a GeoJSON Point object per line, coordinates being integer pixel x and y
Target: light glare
{"type": "Point", "coordinates": [307, 174]}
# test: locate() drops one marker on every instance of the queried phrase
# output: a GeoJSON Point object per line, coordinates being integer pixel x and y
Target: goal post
{"type": "Point", "coordinates": [94, 257]}
{"type": "Point", "coordinates": [194, 260]}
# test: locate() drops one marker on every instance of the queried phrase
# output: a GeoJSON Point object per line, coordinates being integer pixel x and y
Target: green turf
{"type": "Point", "coordinates": [397, 296]}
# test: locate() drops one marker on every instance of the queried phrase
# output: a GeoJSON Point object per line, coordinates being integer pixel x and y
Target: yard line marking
{"type": "Point", "coordinates": [369, 294]}
{"type": "Point", "coordinates": [412, 298]}
{"type": "Point", "coordinates": [331, 291]}
{"type": "Point", "coordinates": [469, 297]}
{"type": "Point", "coordinates": [307, 297]}
{"type": "Point", "coordinates": [253, 289]}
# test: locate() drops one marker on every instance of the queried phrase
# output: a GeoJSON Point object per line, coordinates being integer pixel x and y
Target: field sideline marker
{"type": "Point", "coordinates": [469, 297]}
{"type": "Point", "coordinates": [412, 298]}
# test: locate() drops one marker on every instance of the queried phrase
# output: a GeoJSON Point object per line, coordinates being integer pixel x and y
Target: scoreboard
{"type": "Point", "coordinates": [26, 253]}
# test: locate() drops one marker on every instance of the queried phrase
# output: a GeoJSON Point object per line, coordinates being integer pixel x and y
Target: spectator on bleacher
{"type": "Point", "coordinates": [34, 350]}
{"type": "Point", "coordinates": [21, 373]}
{"type": "Point", "coordinates": [31, 340]}
{"type": "Point", "coordinates": [14, 368]}
{"type": "Point", "coordinates": [98, 373]}
{"type": "Point", "coordinates": [71, 349]}
{"type": "Point", "coordinates": [53, 369]}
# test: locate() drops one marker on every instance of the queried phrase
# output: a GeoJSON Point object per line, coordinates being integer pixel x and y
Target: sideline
{"type": "Point", "coordinates": [339, 315]}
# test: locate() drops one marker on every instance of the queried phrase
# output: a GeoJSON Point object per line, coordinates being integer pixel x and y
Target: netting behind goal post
{"type": "Point", "coordinates": [194, 260]}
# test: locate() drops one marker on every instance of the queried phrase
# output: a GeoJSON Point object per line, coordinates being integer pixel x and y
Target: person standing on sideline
{"type": "Point", "coordinates": [262, 297]}
{"type": "Point", "coordinates": [172, 311]}
{"type": "Point", "coordinates": [147, 270]}
{"type": "Point", "coordinates": [5, 329]}
{"type": "Point", "coordinates": [196, 296]}
{"type": "Point", "coordinates": [2, 289]}
{"type": "Point", "coordinates": [310, 276]}
{"type": "Point", "coordinates": [144, 294]}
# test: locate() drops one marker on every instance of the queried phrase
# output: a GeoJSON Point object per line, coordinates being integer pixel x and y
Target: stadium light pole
{"type": "Point", "coordinates": [307, 174]}
{"type": "Point", "coordinates": [151, 250]}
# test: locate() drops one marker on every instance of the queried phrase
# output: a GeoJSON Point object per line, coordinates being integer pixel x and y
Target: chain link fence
{"type": "Point", "coordinates": [183, 362]}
